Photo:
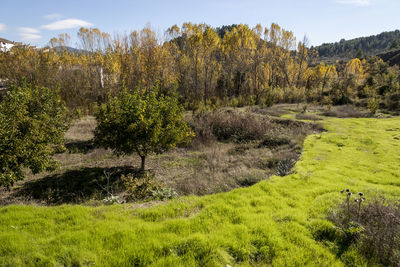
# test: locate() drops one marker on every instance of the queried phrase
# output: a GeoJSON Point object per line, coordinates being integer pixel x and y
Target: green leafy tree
{"type": "Point", "coordinates": [142, 122]}
{"type": "Point", "coordinates": [32, 124]}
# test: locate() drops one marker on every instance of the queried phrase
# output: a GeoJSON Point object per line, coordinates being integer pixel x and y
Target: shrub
{"type": "Point", "coordinates": [345, 111]}
{"type": "Point", "coordinates": [304, 116]}
{"type": "Point", "coordinates": [164, 193]}
{"type": "Point", "coordinates": [113, 200]}
{"type": "Point", "coordinates": [273, 141]}
{"type": "Point", "coordinates": [373, 105]}
{"type": "Point", "coordinates": [372, 229]}
{"type": "Point", "coordinates": [285, 166]}
{"type": "Point", "coordinates": [140, 187]}
{"type": "Point", "coordinates": [229, 125]}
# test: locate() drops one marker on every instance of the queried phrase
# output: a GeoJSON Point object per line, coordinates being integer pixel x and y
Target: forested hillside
{"type": "Point", "coordinates": [359, 47]}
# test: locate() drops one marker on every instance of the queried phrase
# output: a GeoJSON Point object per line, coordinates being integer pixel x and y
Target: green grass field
{"type": "Point", "coordinates": [271, 222]}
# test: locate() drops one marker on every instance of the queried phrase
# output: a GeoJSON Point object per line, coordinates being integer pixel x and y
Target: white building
{"type": "Point", "coordinates": [6, 45]}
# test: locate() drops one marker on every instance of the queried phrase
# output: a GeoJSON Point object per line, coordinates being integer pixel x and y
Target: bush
{"type": "Point", "coordinates": [304, 116]}
{"type": "Point", "coordinates": [229, 125]}
{"type": "Point", "coordinates": [145, 187]}
{"type": "Point", "coordinates": [140, 187]}
{"type": "Point", "coordinates": [273, 141]}
{"type": "Point", "coordinates": [373, 105]}
{"type": "Point", "coordinates": [285, 166]}
{"type": "Point", "coordinates": [113, 200]}
{"type": "Point", "coordinates": [345, 111]}
{"type": "Point", "coordinates": [372, 229]}
{"type": "Point", "coordinates": [164, 193]}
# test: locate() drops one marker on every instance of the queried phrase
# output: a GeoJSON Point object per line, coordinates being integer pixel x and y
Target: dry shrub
{"type": "Point", "coordinates": [305, 116]}
{"type": "Point", "coordinates": [380, 238]}
{"type": "Point", "coordinates": [244, 127]}
{"type": "Point", "coordinates": [273, 141]}
{"type": "Point", "coordinates": [373, 229]}
{"type": "Point", "coordinates": [228, 125]}
{"type": "Point", "coordinates": [274, 111]}
{"type": "Point", "coordinates": [346, 111]}
{"type": "Point", "coordinates": [214, 157]}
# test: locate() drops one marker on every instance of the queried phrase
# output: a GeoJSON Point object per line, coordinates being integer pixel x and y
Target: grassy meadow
{"type": "Point", "coordinates": [274, 222]}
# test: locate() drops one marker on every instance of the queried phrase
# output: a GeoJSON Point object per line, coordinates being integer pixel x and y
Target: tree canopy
{"type": "Point", "coordinates": [32, 123]}
{"type": "Point", "coordinates": [142, 122]}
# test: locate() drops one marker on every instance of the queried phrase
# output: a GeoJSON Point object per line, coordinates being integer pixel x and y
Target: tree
{"type": "Point", "coordinates": [32, 122]}
{"type": "Point", "coordinates": [144, 122]}
{"type": "Point", "coordinates": [395, 44]}
{"type": "Point", "coordinates": [360, 54]}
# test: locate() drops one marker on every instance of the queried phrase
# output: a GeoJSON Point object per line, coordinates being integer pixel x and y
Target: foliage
{"type": "Point", "coordinates": [164, 193]}
{"type": "Point", "coordinates": [32, 124]}
{"type": "Point", "coordinates": [143, 187]}
{"type": "Point", "coordinates": [285, 166]}
{"type": "Point", "coordinates": [142, 122]}
{"type": "Point", "coordinates": [110, 200]}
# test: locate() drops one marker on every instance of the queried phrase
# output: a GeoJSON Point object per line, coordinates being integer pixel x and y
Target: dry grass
{"type": "Point", "coordinates": [346, 111]}
{"type": "Point", "coordinates": [81, 130]}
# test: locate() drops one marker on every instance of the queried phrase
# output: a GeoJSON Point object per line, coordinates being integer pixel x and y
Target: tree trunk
{"type": "Point", "coordinates": [143, 158]}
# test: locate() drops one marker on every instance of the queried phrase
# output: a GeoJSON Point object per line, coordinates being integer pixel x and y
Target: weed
{"type": "Point", "coordinates": [285, 166]}
{"type": "Point", "coordinates": [372, 229]}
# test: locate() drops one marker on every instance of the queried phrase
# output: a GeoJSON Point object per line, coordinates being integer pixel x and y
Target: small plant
{"type": "Point", "coordinates": [285, 166]}
{"type": "Point", "coordinates": [304, 109]}
{"type": "Point", "coordinates": [110, 200]}
{"type": "Point", "coordinates": [164, 193]}
{"type": "Point", "coordinates": [373, 105]}
{"type": "Point", "coordinates": [140, 187]}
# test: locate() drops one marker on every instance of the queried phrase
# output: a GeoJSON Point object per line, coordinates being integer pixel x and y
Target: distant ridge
{"type": "Point", "coordinates": [70, 49]}
{"type": "Point", "coordinates": [362, 46]}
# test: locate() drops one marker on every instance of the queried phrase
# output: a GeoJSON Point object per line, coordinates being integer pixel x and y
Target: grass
{"type": "Point", "coordinates": [271, 222]}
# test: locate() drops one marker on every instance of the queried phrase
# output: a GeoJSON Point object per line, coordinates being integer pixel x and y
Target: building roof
{"type": "Point", "coordinates": [6, 41]}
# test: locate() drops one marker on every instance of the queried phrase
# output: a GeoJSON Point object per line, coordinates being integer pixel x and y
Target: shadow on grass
{"type": "Point", "coordinates": [75, 186]}
{"type": "Point", "coordinates": [80, 146]}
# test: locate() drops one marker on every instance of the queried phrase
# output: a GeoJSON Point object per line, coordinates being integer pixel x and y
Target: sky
{"type": "Point", "coordinates": [322, 21]}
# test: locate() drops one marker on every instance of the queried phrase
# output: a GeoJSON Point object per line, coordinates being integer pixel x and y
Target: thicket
{"type": "Point", "coordinates": [228, 66]}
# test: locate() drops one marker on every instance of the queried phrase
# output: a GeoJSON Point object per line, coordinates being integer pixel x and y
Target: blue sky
{"type": "Point", "coordinates": [36, 21]}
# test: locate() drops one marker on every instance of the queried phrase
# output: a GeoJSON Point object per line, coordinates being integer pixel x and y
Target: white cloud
{"type": "Point", "coordinates": [28, 34]}
{"type": "Point", "coordinates": [2, 27]}
{"type": "Point", "coordinates": [28, 30]}
{"type": "Point", "coordinates": [356, 2]}
{"type": "Point", "coordinates": [53, 16]}
{"type": "Point", "coordinates": [66, 24]}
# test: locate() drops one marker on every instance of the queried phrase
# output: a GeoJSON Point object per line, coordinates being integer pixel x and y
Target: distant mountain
{"type": "Point", "coordinates": [359, 47]}
{"type": "Point", "coordinates": [70, 49]}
